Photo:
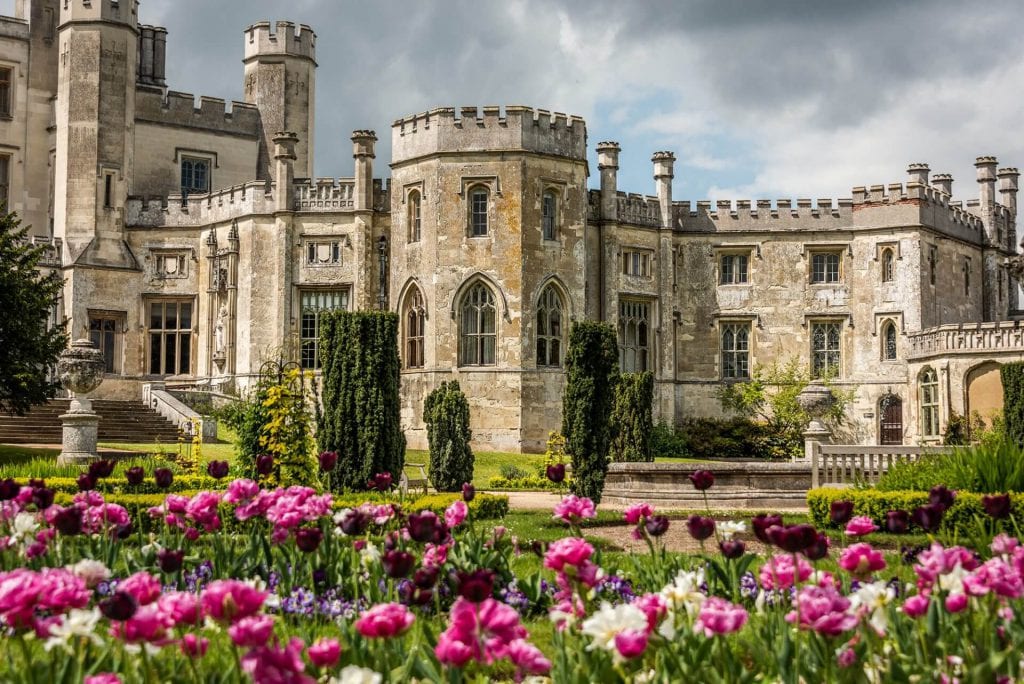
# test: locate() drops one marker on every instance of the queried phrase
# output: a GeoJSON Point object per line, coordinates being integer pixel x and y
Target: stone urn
{"type": "Point", "coordinates": [816, 399]}
{"type": "Point", "coordinates": [80, 369]}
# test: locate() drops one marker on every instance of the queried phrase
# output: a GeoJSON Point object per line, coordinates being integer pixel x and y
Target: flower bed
{"type": "Point", "coordinates": [385, 591]}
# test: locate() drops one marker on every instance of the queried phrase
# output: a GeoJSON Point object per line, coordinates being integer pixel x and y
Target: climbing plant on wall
{"type": "Point", "coordinates": [1012, 376]}
{"type": "Point", "coordinates": [632, 417]}
{"type": "Point", "coordinates": [446, 413]}
{"type": "Point", "coordinates": [592, 370]}
{"type": "Point", "coordinates": [360, 416]}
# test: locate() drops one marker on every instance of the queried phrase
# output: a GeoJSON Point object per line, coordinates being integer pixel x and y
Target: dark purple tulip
{"type": "Point", "coordinates": [818, 549]}
{"type": "Point", "coordinates": [762, 522]}
{"type": "Point", "coordinates": [928, 517]}
{"type": "Point", "coordinates": [264, 464]}
{"type": "Point", "coordinates": [308, 539]}
{"type": "Point", "coordinates": [997, 505]}
{"type": "Point", "coordinates": [476, 586]}
{"type": "Point", "coordinates": [170, 560]}
{"type": "Point", "coordinates": [9, 489]}
{"type": "Point", "coordinates": [897, 522]}
{"type": "Point", "coordinates": [36, 482]}
{"type": "Point", "coordinates": [700, 527]}
{"type": "Point", "coordinates": [657, 525]}
{"type": "Point", "coordinates": [942, 496]}
{"type": "Point", "coordinates": [423, 526]}
{"type": "Point", "coordinates": [163, 477]}
{"type": "Point", "coordinates": [124, 531]}
{"type": "Point", "coordinates": [468, 492]}
{"type": "Point", "coordinates": [556, 473]}
{"type": "Point", "coordinates": [422, 597]}
{"type": "Point", "coordinates": [732, 548]}
{"type": "Point", "coordinates": [119, 606]}
{"type": "Point", "coordinates": [382, 482]}
{"type": "Point", "coordinates": [793, 538]}
{"type": "Point", "coordinates": [702, 479]}
{"type": "Point", "coordinates": [425, 577]}
{"type": "Point", "coordinates": [328, 459]}
{"type": "Point", "coordinates": [397, 563]}
{"type": "Point", "coordinates": [86, 482]}
{"type": "Point", "coordinates": [42, 497]}
{"type": "Point", "coordinates": [354, 523]}
{"type": "Point", "coordinates": [217, 469]}
{"type": "Point", "coordinates": [101, 469]}
{"type": "Point", "coordinates": [68, 521]}
{"type": "Point", "coordinates": [135, 475]}
{"type": "Point", "coordinates": [840, 512]}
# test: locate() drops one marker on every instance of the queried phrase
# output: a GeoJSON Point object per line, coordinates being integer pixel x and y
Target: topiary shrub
{"type": "Point", "coordinates": [1012, 376]}
{"type": "Point", "coordinates": [633, 417]}
{"type": "Point", "coordinates": [360, 419]}
{"type": "Point", "coordinates": [592, 370]}
{"type": "Point", "coordinates": [446, 413]}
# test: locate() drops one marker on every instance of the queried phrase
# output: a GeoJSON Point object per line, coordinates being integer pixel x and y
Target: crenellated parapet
{"type": "Point", "coordinates": [763, 214]}
{"type": "Point", "coordinates": [282, 38]}
{"type": "Point", "coordinates": [113, 11]}
{"type": "Point", "coordinates": [179, 109]}
{"type": "Point", "coordinates": [177, 211]}
{"type": "Point", "coordinates": [488, 130]}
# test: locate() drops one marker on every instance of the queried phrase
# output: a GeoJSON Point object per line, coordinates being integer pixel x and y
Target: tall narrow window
{"type": "Point", "coordinates": [967, 277]}
{"type": "Point", "coordinates": [195, 175]}
{"type": "Point", "coordinates": [889, 341]}
{"type": "Point", "coordinates": [105, 331]}
{"type": "Point", "coordinates": [735, 350]}
{"type": "Point", "coordinates": [478, 198]}
{"type": "Point", "coordinates": [634, 335]}
{"type": "Point", "coordinates": [825, 267]}
{"type": "Point", "coordinates": [825, 349]}
{"type": "Point", "coordinates": [929, 394]}
{"type": "Point", "coordinates": [108, 190]}
{"type": "Point", "coordinates": [314, 304]}
{"type": "Point", "coordinates": [733, 269]}
{"type": "Point", "coordinates": [478, 336]}
{"type": "Point", "coordinates": [5, 91]}
{"type": "Point", "coordinates": [170, 337]}
{"type": "Point", "coordinates": [5, 166]}
{"type": "Point", "coordinates": [549, 328]}
{"type": "Point", "coordinates": [414, 216]}
{"type": "Point", "coordinates": [933, 258]}
{"type": "Point", "coordinates": [549, 207]}
{"type": "Point", "coordinates": [888, 265]}
{"type": "Point", "coordinates": [415, 318]}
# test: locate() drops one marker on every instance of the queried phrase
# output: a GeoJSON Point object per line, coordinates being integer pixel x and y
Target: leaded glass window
{"type": "Point", "coordinates": [735, 350]}
{"type": "Point", "coordinates": [634, 335]}
{"type": "Point", "coordinates": [314, 304]}
{"type": "Point", "coordinates": [549, 328]}
{"type": "Point", "coordinates": [478, 337]}
{"type": "Point", "coordinates": [826, 338]}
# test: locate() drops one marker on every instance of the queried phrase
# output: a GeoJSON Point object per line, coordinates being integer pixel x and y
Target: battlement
{"type": "Point", "coordinates": [264, 38]}
{"type": "Point", "coordinates": [179, 109]}
{"type": "Point", "coordinates": [937, 208]}
{"type": "Point", "coordinates": [488, 129]}
{"type": "Point", "coordinates": [119, 11]}
{"type": "Point", "coordinates": [254, 197]}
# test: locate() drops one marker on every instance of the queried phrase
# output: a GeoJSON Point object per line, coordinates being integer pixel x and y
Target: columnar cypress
{"type": "Point", "coordinates": [360, 419]}
{"type": "Point", "coordinates": [592, 369]}
{"type": "Point", "coordinates": [1012, 376]}
{"type": "Point", "coordinates": [633, 417]}
{"type": "Point", "coordinates": [446, 413]}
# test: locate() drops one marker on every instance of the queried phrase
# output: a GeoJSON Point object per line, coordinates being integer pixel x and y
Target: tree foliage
{"type": "Point", "coordinates": [592, 370]}
{"type": "Point", "coordinates": [29, 346]}
{"type": "Point", "coordinates": [446, 413]}
{"type": "Point", "coordinates": [770, 396]}
{"type": "Point", "coordinates": [1012, 376]}
{"type": "Point", "coordinates": [360, 419]}
{"type": "Point", "coordinates": [633, 417]}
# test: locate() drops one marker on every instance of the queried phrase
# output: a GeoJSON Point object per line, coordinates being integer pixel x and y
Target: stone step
{"type": "Point", "coordinates": [120, 421]}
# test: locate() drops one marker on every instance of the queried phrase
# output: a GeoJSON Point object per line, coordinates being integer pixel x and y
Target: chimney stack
{"type": "Point", "coordinates": [943, 182]}
{"type": "Point", "coordinates": [284, 173]}
{"type": "Point", "coordinates": [987, 193]}
{"type": "Point", "coordinates": [1008, 188]}
{"type": "Point", "coordinates": [608, 166]}
{"type": "Point", "coordinates": [363, 152]}
{"type": "Point", "coordinates": [918, 173]}
{"type": "Point", "coordinates": [664, 163]}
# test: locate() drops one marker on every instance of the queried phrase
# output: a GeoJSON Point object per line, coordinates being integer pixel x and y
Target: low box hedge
{"type": "Point", "coordinates": [961, 518]}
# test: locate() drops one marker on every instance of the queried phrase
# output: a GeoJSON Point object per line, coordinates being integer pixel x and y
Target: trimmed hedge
{"type": "Point", "coordinates": [961, 518]}
{"type": "Point", "coordinates": [119, 486]}
{"type": "Point", "coordinates": [529, 482]}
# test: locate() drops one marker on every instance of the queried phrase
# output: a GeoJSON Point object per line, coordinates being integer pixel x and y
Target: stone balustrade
{"type": "Point", "coordinates": [324, 194]}
{"type": "Point", "coordinates": [966, 338]}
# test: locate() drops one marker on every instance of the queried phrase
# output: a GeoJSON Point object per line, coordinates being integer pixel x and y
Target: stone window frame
{"type": "Point", "coordinates": [933, 263]}
{"type": "Point", "coordinates": [311, 249]}
{"type": "Point", "coordinates": [5, 181]}
{"type": "Point", "coordinates": [549, 223]}
{"type": "Point", "coordinates": [181, 155]}
{"type": "Point", "coordinates": [889, 340]}
{"type": "Point", "coordinates": [471, 187]}
{"type": "Point", "coordinates": [734, 324]}
{"type": "Point", "coordinates": [7, 90]}
{"type": "Point", "coordinates": [640, 310]}
{"type": "Point", "coordinates": [181, 256]}
{"type": "Point", "coordinates": [814, 322]}
{"type": "Point", "coordinates": [735, 277]}
{"type": "Point", "coordinates": [813, 276]}
{"type": "Point", "coordinates": [888, 260]}
{"type": "Point", "coordinates": [116, 323]}
{"type": "Point", "coordinates": [546, 314]}
{"type": "Point", "coordinates": [414, 214]}
{"type": "Point", "coordinates": [178, 333]}
{"type": "Point", "coordinates": [414, 318]}
{"type": "Point", "coordinates": [638, 262]}
{"type": "Point", "coordinates": [309, 344]}
{"type": "Point", "coordinates": [473, 344]}
{"type": "Point", "coordinates": [966, 268]}
{"type": "Point", "coordinates": [928, 396]}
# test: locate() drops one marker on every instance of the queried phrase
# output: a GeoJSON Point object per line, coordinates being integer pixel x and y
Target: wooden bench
{"type": "Point", "coordinates": [405, 483]}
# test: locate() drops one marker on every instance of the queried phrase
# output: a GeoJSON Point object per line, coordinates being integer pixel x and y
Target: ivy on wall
{"type": "Point", "coordinates": [1012, 376]}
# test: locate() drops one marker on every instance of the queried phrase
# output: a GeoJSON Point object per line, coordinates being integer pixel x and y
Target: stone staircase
{"type": "Point", "coordinates": [120, 421]}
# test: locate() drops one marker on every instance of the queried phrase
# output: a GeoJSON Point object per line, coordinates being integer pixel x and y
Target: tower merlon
{"type": "Point", "coordinates": [282, 38]}
{"type": "Point", "coordinates": [918, 173]}
{"type": "Point", "coordinates": [944, 183]}
{"type": "Point", "coordinates": [664, 163]}
{"type": "Point", "coordinates": [115, 11]}
{"type": "Point", "coordinates": [986, 168]}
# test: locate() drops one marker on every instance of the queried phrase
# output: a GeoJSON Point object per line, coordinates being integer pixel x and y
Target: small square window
{"type": "Point", "coordinates": [195, 175]}
{"type": "Point", "coordinates": [733, 269]}
{"type": "Point", "coordinates": [636, 263]}
{"type": "Point", "coordinates": [825, 267]}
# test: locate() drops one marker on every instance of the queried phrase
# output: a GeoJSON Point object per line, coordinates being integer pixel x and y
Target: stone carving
{"type": "Point", "coordinates": [80, 367]}
{"type": "Point", "coordinates": [80, 370]}
{"type": "Point", "coordinates": [222, 318]}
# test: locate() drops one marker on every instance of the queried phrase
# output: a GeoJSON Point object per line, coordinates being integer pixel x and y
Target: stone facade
{"type": "Point", "coordinates": [196, 245]}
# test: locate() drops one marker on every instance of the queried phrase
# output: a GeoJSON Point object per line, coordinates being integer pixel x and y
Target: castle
{"type": "Point", "coordinates": [196, 244]}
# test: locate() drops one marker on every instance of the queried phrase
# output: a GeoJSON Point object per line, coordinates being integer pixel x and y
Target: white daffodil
{"type": "Point", "coordinates": [92, 572]}
{"type": "Point", "coordinates": [24, 528]}
{"type": "Point", "coordinates": [370, 554]}
{"type": "Point", "coordinates": [77, 623]}
{"type": "Point", "coordinates": [874, 598]}
{"type": "Point", "coordinates": [685, 591]}
{"type": "Point", "coordinates": [730, 528]}
{"type": "Point", "coordinates": [353, 674]}
{"type": "Point", "coordinates": [609, 621]}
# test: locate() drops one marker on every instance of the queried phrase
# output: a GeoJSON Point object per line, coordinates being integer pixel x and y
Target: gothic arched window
{"type": "Point", "coordinates": [889, 341]}
{"type": "Point", "coordinates": [478, 327]}
{"type": "Point", "coordinates": [414, 216]}
{"type": "Point", "coordinates": [888, 265]}
{"type": "Point", "coordinates": [415, 319]}
{"type": "Point", "coordinates": [549, 328]}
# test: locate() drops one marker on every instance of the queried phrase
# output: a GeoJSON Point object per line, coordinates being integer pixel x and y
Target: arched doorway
{"type": "Point", "coordinates": [890, 420]}
{"type": "Point", "coordinates": [984, 391]}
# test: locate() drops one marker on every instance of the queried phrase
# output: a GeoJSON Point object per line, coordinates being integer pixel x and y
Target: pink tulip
{"type": "Point", "coordinates": [277, 665]}
{"type": "Point", "coordinates": [141, 586]}
{"type": "Point", "coordinates": [778, 572]}
{"type": "Point", "coordinates": [861, 560]}
{"type": "Point", "coordinates": [481, 632]}
{"type": "Point", "coordinates": [325, 652]}
{"type": "Point", "coordinates": [528, 659]}
{"type": "Point", "coordinates": [240, 491]}
{"type": "Point", "coordinates": [654, 607]}
{"type": "Point", "coordinates": [231, 600]}
{"type": "Point", "coordinates": [456, 513]}
{"type": "Point", "coordinates": [572, 509]}
{"type": "Point", "coordinates": [860, 526]}
{"type": "Point", "coordinates": [252, 631]}
{"type": "Point", "coordinates": [102, 678]}
{"type": "Point", "coordinates": [718, 616]}
{"type": "Point", "coordinates": [631, 644]}
{"type": "Point", "coordinates": [916, 606]}
{"type": "Point", "coordinates": [638, 512]}
{"type": "Point", "coordinates": [384, 620]}
{"type": "Point", "coordinates": [180, 607]}
{"type": "Point", "coordinates": [194, 646]}
{"type": "Point", "coordinates": [956, 602]}
{"type": "Point", "coordinates": [823, 610]}
{"type": "Point", "coordinates": [568, 551]}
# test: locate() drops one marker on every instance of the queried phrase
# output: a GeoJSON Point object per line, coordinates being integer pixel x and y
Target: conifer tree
{"type": "Point", "coordinates": [633, 417]}
{"type": "Point", "coordinates": [446, 413]}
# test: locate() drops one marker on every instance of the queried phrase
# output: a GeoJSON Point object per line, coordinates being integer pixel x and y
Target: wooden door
{"type": "Point", "coordinates": [890, 429]}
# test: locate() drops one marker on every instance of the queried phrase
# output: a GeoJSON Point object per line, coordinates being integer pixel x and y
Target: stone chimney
{"type": "Point", "coordinates": [918, 173]}
{"type": "Point", "coordinates": [987, 193]}
{"type": "Point", "coordinates": [1008, 188]}
{"type": "Point", "coordinates": [943, 182]}
{"type": "Point", "coordinates": [362, 151]}
{"type": "Point", "coordinates": [663, 174]}
{"type": "Point", "coordinates": [284, 170]}
{"type": "Point", "coordinates": [608, 166]}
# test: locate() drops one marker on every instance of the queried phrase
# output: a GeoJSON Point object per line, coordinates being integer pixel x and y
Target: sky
{"type": "Point", "coordinates": [758, 99]}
